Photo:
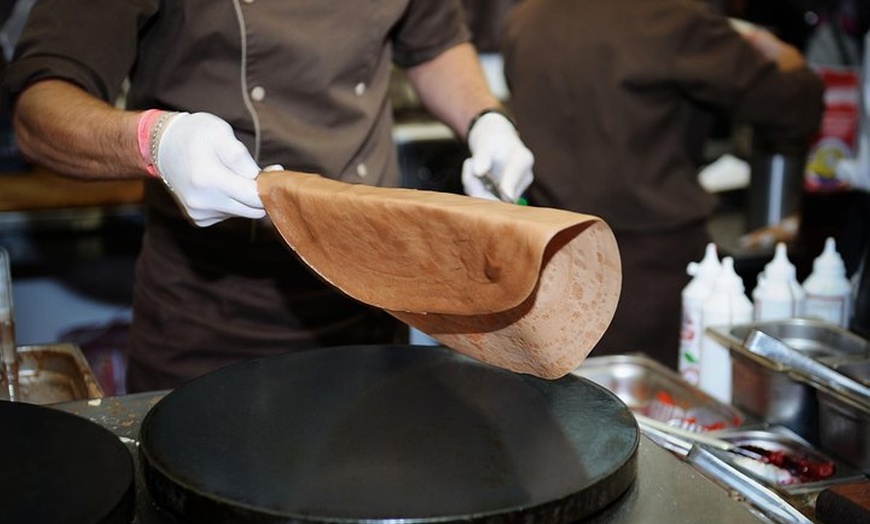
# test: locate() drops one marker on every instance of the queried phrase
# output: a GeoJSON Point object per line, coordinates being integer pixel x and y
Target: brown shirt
{"type": "Point", "coordinates": [304, 83]}
{"type": "Point", "coordinates": [607, 95]}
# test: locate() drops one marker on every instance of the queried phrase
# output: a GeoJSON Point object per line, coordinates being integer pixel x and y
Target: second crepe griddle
{"type": "Point", "coordinates": [57, 467]}
{"type": "Point", "coordinates": [376, 433]}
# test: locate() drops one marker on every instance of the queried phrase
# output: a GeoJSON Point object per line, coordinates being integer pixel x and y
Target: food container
{"type": "Point", "coordinates": [858, 371]}
{"type": "Point", "coordinates": [807, 461]}
{"type": "Point", "coordinates": [843, 422]}
{"type": "Point", "coordinates": [53, 373]}
{"type": "Point", "coordinates": [768, 391]}
{"type": "Point", "coordinates": [649, 388]}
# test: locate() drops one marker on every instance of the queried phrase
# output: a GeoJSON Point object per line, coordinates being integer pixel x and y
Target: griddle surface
{"type": "Point", "coordinates": [385, 432]}
{"type": "Point", "coordinates": [60, 468]}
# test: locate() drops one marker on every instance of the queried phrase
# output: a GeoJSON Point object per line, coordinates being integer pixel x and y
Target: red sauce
{"type": "Point", "coordinates": [803, 467]}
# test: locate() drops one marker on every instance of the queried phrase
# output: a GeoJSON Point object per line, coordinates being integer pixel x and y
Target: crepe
{"type": "Point", "coordinates": [523, 288]}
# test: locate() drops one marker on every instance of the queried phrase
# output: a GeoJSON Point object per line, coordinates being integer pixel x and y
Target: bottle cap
{"type": "Point", "coordinates": [829, 262]}
{"type": "Point", "coordinates": [780, 268]}
{"type": "Point", "coordinates": [709, 266]}
{"type": "Point", "coordinates": [728, 281]}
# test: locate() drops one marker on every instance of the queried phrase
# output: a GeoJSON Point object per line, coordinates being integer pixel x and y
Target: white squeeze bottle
{"type": "Point", "coordinates": [829, 292]}
{"type": "Point", "coordinates": [778, 294]}
{"type": "Point", "coordinates": [727, 305]}
{"type": "Point", "coordinates": [703, 275]}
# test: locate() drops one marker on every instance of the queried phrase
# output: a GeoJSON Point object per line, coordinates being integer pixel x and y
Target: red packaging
{"type": "Point", "coordinates": [837, 136]}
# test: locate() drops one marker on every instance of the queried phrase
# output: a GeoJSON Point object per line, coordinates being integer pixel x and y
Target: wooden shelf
{"type": "Point", "coordinates": [38, 189]}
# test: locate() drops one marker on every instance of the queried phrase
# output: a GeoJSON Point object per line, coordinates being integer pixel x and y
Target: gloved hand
{"type": "Point", "coordinates": [210, 171]}
{"type": "Point", "coordinates": [497, 153]}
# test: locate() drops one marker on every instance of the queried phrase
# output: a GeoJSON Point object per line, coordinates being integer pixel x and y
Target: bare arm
{"type": "Point", "coordinates": [786, 56]}
{"type": "Point", "coordinates": [452, 87]}
{"type": "Point", "coordinates": [65, 129]}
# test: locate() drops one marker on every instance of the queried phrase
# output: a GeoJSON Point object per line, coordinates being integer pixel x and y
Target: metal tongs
{"type": "Point", "coordinates": [695, 448]}
{"type": "Point", "coordinates": [681, 440]}
{"type": "Point", "coordinates": [771, 348]}
{"type": "Point", "coordinates": [774, 507]}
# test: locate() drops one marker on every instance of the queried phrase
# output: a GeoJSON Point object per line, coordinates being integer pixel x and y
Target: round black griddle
{"type": "Point", "coordinates": [377, 433]}
{"type": "Point", "coordinates": [56, 467]}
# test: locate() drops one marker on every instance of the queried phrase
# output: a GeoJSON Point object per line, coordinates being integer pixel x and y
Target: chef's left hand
{"type": "Point", "coordinates": [496, 149]}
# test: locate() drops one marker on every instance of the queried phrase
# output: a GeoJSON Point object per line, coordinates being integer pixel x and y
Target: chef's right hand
{"type": "Point", "coordinates": [211, 173]}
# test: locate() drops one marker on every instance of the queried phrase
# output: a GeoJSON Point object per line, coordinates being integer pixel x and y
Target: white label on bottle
{"type": "Point", "coordinates": [690, 346]}
{"type": "Point", "coordinates": [831, 309]}
{"type": "Point", "coordinates": [773, 310]}
{"type": "Point", "coordinates": [715, 370]}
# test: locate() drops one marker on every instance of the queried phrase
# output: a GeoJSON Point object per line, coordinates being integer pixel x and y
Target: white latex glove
{"type": "Point", "coordinates": [210, 171]}
{"type": "Point", "coordinates": [496, 152]}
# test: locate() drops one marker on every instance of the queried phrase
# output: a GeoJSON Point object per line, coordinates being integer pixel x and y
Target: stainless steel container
{"type": "Point", "coordinates": [649, 388]}
{"type": "Point", "coordinates": [774, 188]}
{"type": "Point", "coordinates": [51, 373]}
{"type": "Point", "coordinates": [776, 178]}
{"type": "Point", "coordinates": [844, 424]}
{"type": "Point", "coordinates": [782, 440]}
{"type": "Point", "coordinates": [768, 391]}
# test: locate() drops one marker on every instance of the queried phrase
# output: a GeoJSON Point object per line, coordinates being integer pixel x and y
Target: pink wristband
{"type": "Point", "coordinates": [143, 137]}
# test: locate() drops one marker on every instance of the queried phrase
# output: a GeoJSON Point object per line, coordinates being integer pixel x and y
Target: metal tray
{"type": "Point", "coordinates": [827, 343]}
{"type": "Point", "coordinates": [765, 389]}
{"type": "Point", "coordinates": [859, 371]}
{"type": "Point", "coordinates": [53, 373]}
{"type": "Point", "coordinates": [844, 428]}
{"type": "Point", "coordinates": [649, 388]}
{"type": "Point", "coordinates": [781, 439]}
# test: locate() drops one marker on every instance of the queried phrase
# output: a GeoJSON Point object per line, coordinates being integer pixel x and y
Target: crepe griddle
{"type": "Point", "coordinates": [379, 433]}
{"type": "Point", "coordinates": [58, 467]}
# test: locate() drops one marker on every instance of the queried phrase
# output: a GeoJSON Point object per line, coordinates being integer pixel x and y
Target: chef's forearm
{"type": "Point", "coordinates": [787, 57]}
{"type": "Point", "coordinates": [63, 128]}
{"type": "Point", "coordinates": [452, 86]}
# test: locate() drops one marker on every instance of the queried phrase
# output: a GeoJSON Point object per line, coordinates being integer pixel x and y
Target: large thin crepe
{"type": "Point", "coordinates": [524, 288]}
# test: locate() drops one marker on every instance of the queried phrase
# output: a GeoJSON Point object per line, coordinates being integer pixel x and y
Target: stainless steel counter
{"type": "Point", "coordinates": [666, 491]}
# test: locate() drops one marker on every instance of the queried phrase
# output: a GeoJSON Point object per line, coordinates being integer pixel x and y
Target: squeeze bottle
{"type": "Point", "coordinates": [727, 305]}
{"type": "Point", "coordinates": [829, 292]}
{"type": "Point", "coordinates": [704, 275]}
{"type": "Point", "coordinates": [778, 294]}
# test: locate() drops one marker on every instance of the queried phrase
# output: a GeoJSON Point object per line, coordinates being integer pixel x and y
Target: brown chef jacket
{"type": "Point", "coordinates": [305, 85]}
{"type": "Point", "coordinates": [610, 117]}
{"type": "Point", "coordinates": [610, 96]}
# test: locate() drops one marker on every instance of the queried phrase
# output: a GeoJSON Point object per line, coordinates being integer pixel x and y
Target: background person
{"type": "Point", "coordinates": [617, 119]}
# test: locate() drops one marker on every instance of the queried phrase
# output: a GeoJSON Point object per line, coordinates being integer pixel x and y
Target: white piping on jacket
{"type": "Point", "coordinates": [244, 82]}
